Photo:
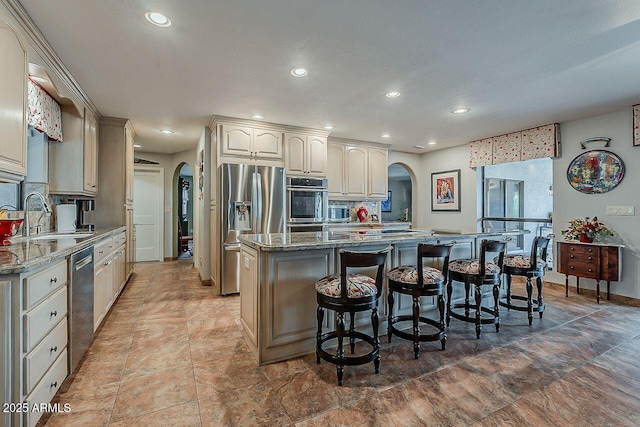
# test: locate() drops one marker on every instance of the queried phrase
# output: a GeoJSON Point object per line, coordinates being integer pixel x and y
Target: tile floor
{"type": "Point", "coordinates": [171, 353]}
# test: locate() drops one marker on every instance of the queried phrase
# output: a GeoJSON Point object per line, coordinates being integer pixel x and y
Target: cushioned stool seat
{"type": "Point", "coordinates": [478, 272]}
{"type": "Point", "coordinates": [522, 265]}
{"type": "Point", "coordinates": [358, 286]}
{"type": "Point", "coordinates": [429, 282]}
{"type": "Point", "coordinates": [351, 293]}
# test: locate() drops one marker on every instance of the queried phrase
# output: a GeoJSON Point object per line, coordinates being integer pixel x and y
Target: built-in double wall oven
{"type": "Point", "coordinates": [307, 203]}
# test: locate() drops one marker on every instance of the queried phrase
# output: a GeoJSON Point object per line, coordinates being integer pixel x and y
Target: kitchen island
{"type": "Point", "coordinates": [278, 274]}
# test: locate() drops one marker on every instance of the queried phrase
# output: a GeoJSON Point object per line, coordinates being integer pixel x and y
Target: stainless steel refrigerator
{"type": "Point", "coordinates": [252, 202]}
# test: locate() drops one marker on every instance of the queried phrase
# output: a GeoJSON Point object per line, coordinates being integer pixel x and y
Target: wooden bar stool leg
{"type": "Point", "coordinates": [539, 283]}
{"type": "Point", "coordinates": [478, 310]}
{"type": "Point", "coordinates": [340, 351]}
{"type": "Point", "coordinates": [467, 289]}
{"type": "Point", "coordinates": [508, 282]}
{"type": "Point", "coordinates": [529, 300]}
{"type": "Point", "coordinates": [352, 337]}
{"type": "Point", "coordinates": [320, 316]}
{"type": "Point", "coordinates": [376, 341]}
{"type": "Point", "coordinates": [416, 327]}
{"type": "Point", "coordinates": [496, 305]}
{"type": "Point", "coordinates": [443, 341]}
{"type": "Point", "coordinates": [390, 319]}
{"type": "Point", "coordinates": [449, 291]}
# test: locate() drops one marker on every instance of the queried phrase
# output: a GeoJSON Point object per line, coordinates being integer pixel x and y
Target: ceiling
{"type": "Point", "coordinates": [515, 63]}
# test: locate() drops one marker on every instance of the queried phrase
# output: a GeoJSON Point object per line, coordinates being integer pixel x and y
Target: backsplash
{"type": "Point", "coordinates": [372, 207]}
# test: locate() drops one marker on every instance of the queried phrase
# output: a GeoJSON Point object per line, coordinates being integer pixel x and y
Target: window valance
{"type": "Point", "coordinates": [44, 112]}
{"type": "Point", "coordinates": [534, 143]}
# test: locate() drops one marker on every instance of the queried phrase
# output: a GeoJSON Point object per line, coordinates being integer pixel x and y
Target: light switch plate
{"type": "Point", "coordinates": [621, 210]}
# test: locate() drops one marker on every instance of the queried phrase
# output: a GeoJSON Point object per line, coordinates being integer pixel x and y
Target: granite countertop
{"type": "Point", "coordinates": [25, 254]}
{"type": "Point", "coordinates": [325, 240]}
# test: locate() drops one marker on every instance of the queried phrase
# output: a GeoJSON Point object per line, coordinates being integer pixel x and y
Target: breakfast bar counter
{"type": "Point", "coordinates": [278, 274]}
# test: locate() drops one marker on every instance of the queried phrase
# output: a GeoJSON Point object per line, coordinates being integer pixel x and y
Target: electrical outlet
{"type": "Point", "coordinates": [621, 210]}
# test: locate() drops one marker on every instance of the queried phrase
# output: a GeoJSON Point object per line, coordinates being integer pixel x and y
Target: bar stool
{"type": "Point", "coordinates": [478, 272]}
{"type": "Point", "coordinates": [351, 293]}
{"type": "Point", "coordinates": [530, 266]}
{"type": "Point", "coordinates": [429, 282]}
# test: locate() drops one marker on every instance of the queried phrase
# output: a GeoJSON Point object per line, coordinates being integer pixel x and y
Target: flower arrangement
{"type": "Point", "coordinates": [586, 230]}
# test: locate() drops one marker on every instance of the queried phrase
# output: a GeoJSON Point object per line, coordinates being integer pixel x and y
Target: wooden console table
{"type": "Point", "coordinates": [597, 261]}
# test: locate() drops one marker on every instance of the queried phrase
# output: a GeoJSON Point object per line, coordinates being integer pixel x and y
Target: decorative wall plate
{"type": "Point", "coordinates": [595, 171]}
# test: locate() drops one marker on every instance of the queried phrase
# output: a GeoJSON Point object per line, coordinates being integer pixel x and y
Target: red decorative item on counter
{"type": "Point", "coordinates": [8, 228]}
{"type": "Point", "coordinates": [363, 214]}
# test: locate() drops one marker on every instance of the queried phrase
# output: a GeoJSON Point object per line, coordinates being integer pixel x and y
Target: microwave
{"type": "Point", "coordinates": [339, 213]}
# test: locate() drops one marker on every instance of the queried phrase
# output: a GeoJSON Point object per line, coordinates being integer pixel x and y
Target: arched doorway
{"type": "Point", "coordinates": [183, 208]}
{"type": "Point", "coordinates": [401, 184]}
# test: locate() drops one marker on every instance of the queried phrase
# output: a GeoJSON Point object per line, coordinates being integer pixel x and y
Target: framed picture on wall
{"type": "Point", "coordinates": [386, 204]}
{"type": "Point", "coordinates": [445, 191]}
{"type": "Point", "coordinates": [636, 125]}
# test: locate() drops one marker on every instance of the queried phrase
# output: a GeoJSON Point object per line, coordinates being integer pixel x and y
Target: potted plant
{"type": "Point", "coordinates": [586, 230]}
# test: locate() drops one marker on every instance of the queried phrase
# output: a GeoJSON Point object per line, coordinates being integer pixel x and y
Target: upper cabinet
{"type": "Point", "coordinates": [73, 164]}
{"type": "Point", "coordinates": [303, 151]}
{"type": "Point", "coordinates": [252, 143]}
{"type": "Point", "coordinates": [305, 155]}
{"type": "Point", "coordinates": [13, 105]}
{"type": "Point", "coordinates": [357, 172]}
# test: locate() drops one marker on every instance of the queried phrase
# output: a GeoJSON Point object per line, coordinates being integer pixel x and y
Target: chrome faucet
{"type": "Point", "coordinates": [45, 209]}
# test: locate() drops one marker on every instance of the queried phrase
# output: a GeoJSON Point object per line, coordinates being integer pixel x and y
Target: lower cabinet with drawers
{"type": "Point", "coordinates": [42, 328]}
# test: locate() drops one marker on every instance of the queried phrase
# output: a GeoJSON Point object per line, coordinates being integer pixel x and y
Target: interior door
{"type": "Point", "coordinates": [147, 214]}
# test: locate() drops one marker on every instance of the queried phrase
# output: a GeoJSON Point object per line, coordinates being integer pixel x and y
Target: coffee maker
{"type": "Point", "coordinates": [85, 210]}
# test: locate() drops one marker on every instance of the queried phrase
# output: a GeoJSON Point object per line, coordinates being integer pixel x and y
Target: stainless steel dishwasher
{"type": "Point", "coordinates": [80, 305]}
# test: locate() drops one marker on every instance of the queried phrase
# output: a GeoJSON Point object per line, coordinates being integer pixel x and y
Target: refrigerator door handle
{"type": "Point", "coordinates": [258, 196]}
{"type": "Point", "coordinates": [255, 203]}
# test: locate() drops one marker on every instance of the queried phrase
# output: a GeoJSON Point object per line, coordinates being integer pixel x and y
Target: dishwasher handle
{"type": "Point", "coordinates": [83, 262]}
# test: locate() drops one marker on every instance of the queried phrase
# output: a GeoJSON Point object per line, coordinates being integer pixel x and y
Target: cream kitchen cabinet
{"type": "Point", "coordinates": [251, 142]}
{"type": "Point", "coordinates": [357, 172]}
{"type": "Point", "coordinates": [13, 105]}
{"type": "Point", "coordinates": [73, 164]}
{"type": "Point", "coordinates": [115, 199]}
{"type": "Point", "coordinates": [305, 155]}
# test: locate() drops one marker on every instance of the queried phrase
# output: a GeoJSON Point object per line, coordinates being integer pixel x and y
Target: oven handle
{"type": "Point", "coordinates": [308, 190]}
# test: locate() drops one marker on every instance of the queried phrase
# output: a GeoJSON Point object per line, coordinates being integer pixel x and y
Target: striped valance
{"type": "Point", "coordinates": [534, 143]}
{"type": "Point", "coordinates": [44, 112]}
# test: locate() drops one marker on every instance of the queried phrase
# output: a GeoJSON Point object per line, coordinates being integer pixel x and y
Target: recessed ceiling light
{"type": "Point", "coordinates": [431, 143]}
{"type": "Point", "coordinates": [299, 72]}
{"type": "Point", "coordinates": [257, 116]}
{"type": "Point", "coordinates": [157, 18]}
{"type": "Point", "coordinates": [39, 79]}
{"type": "Point", "coordinates": [328, 127]}
{"type": "Point", "coordinates": [393, 94]}
{"type": "Point", "coordinates": [460, 110]}
{"type": "Point", "coordinates": [419, 146]}
{"type": "Point", "coordinates": [166, 131]}
{"type": "Point", "coordinates": [386, 135]}
{"type": "Point", "coordinates": [137, 146]}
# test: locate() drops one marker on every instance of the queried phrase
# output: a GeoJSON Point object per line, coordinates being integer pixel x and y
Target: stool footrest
{"type": "Point", "coordinates": [536, 307]}
{"type": "Point", "coordinates": [409, 336]}
{"type": "Point", "coordinates": [472, 318]}
{"type": "Point", "coordinates": [347, 360]}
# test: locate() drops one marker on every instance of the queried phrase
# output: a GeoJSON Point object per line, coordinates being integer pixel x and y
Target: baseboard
{"type": "Point", "coordinates": [170, 258]}
{"type": "Point", "coordinates": [591, 293]}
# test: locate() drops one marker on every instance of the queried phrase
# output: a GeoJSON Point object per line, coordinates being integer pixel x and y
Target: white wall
{"type": "Point", "coordinates": [569, 203]}
{"type": "Point", "coordinates": [201, 208]}
{"type": "Point", "coordinates": [444, 160]}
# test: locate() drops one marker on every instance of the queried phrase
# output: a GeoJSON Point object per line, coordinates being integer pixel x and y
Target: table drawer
{"type": "Point", "coordinates": [582, 269]}
{"type": "Point", "coordinates": [580, 249]}
{"type": "Point", "coordinates": [39, 321]}
{"type": "Point", "coordinates": [42, 357]}
{"type": "Point", "coordinates": [102, 249]}
{"type": "Point", "coordinates": [38, 286]}
{"type": "Point", "coordinates": [47, 388]}
{"type": "Point", "coordinates": [588, 258]}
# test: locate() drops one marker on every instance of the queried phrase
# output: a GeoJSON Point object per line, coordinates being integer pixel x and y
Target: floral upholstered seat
{"type": "Point", "coordinates": [409, 275]}
{"type": "Point", "coordinates": [358, 286]}
{"type": "Point", "coordinates": [472, 266]}
{"type": "Point", "coordinates": [521, 261]}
